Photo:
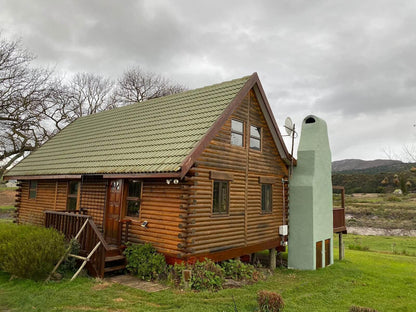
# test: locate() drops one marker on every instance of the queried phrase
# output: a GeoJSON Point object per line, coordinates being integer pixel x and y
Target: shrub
{"type": "Point", "coordinates": [238, 270]}
{"type": "Point", "coordinates": [29, 251]}
{"type": "Point", "coordinates": [206, 275]}
{"type": "Point", "coordinates": [145, 262]}
{"type": "Point", "coordinates": [70, 263]}
{"type": "Point", "coordinates": [269, 301]}
{"type": "Point", "coordinates": [361, 309]}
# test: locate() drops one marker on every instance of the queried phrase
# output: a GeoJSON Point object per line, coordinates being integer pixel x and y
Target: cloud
{"type": "Point", "coordinates": [351, 62]}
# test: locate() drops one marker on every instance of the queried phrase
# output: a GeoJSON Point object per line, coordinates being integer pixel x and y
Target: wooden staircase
{"type": "Point", "coordinates": [114, 260]}
{"type": "Point", "coordinates": [98, 256]}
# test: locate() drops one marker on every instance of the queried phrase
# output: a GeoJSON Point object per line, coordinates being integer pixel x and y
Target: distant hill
{"type": "Point", "coordinates": [358, 164]}
{"type": "Point", "coordinates": [370, 176]}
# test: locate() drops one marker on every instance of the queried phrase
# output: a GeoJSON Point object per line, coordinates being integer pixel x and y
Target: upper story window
{"type": "Point", "coordinates": [133, 198]}
{"type": "Point", "coordinates": [237, 132]}
{"type": "Point", "coordinates": [33, 188]}
{"type": "Point", "coordinates": [220, 200]}
{"type": "Point", "coordinates": [255, 137]}
{"type": "Point", "coordinates": [73, 196]}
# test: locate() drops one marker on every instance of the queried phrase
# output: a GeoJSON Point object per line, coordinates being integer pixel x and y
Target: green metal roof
{"type": "Point", "coordinates": [153, 136]}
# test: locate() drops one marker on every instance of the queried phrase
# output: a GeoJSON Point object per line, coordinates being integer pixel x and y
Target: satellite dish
{"type": "Point", "coordinates": [289, 126]}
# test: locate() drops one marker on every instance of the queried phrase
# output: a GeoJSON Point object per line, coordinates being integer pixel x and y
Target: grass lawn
{"type": "Point", "coordinates": [385, 282]}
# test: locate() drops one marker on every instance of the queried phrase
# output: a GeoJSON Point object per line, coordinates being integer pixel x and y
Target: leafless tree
{"type": "Point", "coordinates": [23, 91]}
{"type": "Point", "coordinates": [136, 85]}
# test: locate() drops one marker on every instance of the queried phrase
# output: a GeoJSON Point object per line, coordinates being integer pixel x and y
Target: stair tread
{"type": "Point", "coordinates": [114, 258]}
{"type": "Point", "coordinates": [114, 268]}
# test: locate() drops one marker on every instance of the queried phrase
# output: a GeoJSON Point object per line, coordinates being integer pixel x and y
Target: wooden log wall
{"type": "Point", "coordinates": [245, 225]}
{"type": "Point", "coordinates": [164, 207]}
{"type": "Point", "coordinates": [50, 195]}
{"type": "Point", "coordinates": [93, 198]}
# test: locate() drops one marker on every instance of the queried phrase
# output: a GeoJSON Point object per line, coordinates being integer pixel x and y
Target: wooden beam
{"type": "Point", "coordinates": [219, 175]}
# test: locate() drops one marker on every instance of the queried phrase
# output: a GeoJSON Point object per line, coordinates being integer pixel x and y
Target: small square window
{"type": "Point", "coordinates": [266, 198]}
{"type": "Point", "coordinates": [220, 200]}
{"type": "Point", "coordinates": [33, 188]}
{"type": "Point", "coordinates": [255, 137]}
{"type": "Point", "coordinates": [237, 133]}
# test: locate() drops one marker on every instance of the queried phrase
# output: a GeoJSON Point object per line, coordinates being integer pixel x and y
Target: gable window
{"type": "Point", "coordinates": [237, 132]}
{"type": "Point", "coordinates": [33, 188]}
{"type": "Point", "coordinates": [220, 201]}
{"type": "Point", "coordinates": [134, 192]}
{"type": "Point", "coordinates": [255, 137]}
{"type": "Point", "coordinates": [72, 203]}
{"type": "Point", "coordinates": [266, 198]}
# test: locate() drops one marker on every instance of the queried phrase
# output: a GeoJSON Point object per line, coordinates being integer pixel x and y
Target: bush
{"type": "Point", "coordinates": [269, 301]}
{"type": "Point", "coordinates": [206, 275]}
{"type": "Point", "coordinates": [29, 251]}
{"type": "Point", "coordinates": [145, 262]}
{"type": "Point", "coordinates": [238, 270]}
{"type": "Point", "coordinates": [70, 263]}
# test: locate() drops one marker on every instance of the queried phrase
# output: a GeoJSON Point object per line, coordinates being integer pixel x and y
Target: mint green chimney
{"type": "Point", "coordinates": [310, 200]}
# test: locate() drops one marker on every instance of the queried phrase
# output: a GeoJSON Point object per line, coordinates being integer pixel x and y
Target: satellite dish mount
{"type": "Point", "coordinates": [290, 130]}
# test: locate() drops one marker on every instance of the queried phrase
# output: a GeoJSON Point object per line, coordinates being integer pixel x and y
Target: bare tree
{"type": "Point", "coordinates": [23, 91]}
{"type": "Point", "coordinates": [136, 85]}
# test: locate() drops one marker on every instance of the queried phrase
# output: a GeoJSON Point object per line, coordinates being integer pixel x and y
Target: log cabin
{"type": "Point", "coordinates": [198, 174]}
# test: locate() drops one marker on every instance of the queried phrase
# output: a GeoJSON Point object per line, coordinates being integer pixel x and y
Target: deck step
{"type": "Point", "coordinates": [114, 258]}
{"type": "Point", "coordinates": [114, 268]}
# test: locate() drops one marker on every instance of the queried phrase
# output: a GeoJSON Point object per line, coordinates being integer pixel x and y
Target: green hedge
{"type": "Point", "coordinates": [28, 251]}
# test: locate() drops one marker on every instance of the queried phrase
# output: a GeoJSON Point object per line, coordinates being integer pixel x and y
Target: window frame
{"type": "Point", "coordinates": [263, 198]}
{"type": "Point", "coordinates": [236, 132]}
{"type": "Point", "coordinates": [72, 196]}
{"type": "Point", "coordinates": [133, 199]}
{"type": "Point", "coordinates": [259, 139]}
{"type": "Point", "coordinates": [220, 199]}
{"type": "Point", "coordinates": [33, 190]}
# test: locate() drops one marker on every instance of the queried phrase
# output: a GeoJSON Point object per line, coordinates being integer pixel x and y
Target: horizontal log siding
{"type": "Point", "coordinates": [245, 225]}
{"type": "Point", "coordinates": [51, 195]}
{"type": "Point", "coordinates": [93, 199]}
{"type": "Point", "coordinates": [163, 206]}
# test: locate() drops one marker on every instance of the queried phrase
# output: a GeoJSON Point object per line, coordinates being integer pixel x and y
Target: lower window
{"type": "Point", "coordinates": [220, 201]}
{"type": "Point", "coordinates": [134, 191]}
{"type": "Point", "coordinates": [72, 203]}
{"type": "Point", "coordinates": [266, 198]}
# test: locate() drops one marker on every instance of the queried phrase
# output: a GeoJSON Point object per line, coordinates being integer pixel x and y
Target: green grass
{"type": "Point", "coordinates": [385, 244]}
{"type": "Point", "coordinates": [6, 208]}
{"type": "Point", "coordinates": [381, 281]}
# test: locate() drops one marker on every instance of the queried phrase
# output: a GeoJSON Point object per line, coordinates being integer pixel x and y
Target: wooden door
{"type": "Point", "coordinates": [319, 254]}
{"type": "Point", "coordinates": [113, 211]}
{"type": "Point", "coordinates": [327, 252]}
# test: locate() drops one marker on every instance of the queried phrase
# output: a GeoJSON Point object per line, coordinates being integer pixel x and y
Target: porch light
{"type": "Point", "coordinates": [144, 224]}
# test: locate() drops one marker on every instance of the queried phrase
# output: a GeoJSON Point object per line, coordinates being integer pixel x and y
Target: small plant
{"type": "Point", "coordinates": [238, 270]}
{"type": "Point", "coordinates": [269, 301]}
{"type": "Point", "coordinates": [361, 309]}
{"type": "Point", "coordinates": [205, 275]}
{"type": "Point", "coordinates": [145, 262]}
{"type": "Point", "coordinates": [29, 251]}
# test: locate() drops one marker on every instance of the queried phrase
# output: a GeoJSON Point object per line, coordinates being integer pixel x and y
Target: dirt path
{"type": "Point", "coordinates": [7, 197]}
{"type": "Point", "coordinates": [380, 232]}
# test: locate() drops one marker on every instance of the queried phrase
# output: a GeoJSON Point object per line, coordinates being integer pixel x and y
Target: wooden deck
{"type": "Point", "coordinates": [105, 259]}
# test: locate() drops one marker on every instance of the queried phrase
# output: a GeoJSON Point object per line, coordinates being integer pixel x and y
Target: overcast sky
{"type": "Point", "coordinates": [352, 63]}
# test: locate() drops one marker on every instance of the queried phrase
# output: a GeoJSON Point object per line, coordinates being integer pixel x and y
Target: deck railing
{"type": "Point", "coordinates": [339, 213]}
{"type": "Point", "coordinates": [70, 223]}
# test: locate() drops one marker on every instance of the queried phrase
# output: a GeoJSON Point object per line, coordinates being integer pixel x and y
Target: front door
{"type": "Point", "coordinates": [113, 211]}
